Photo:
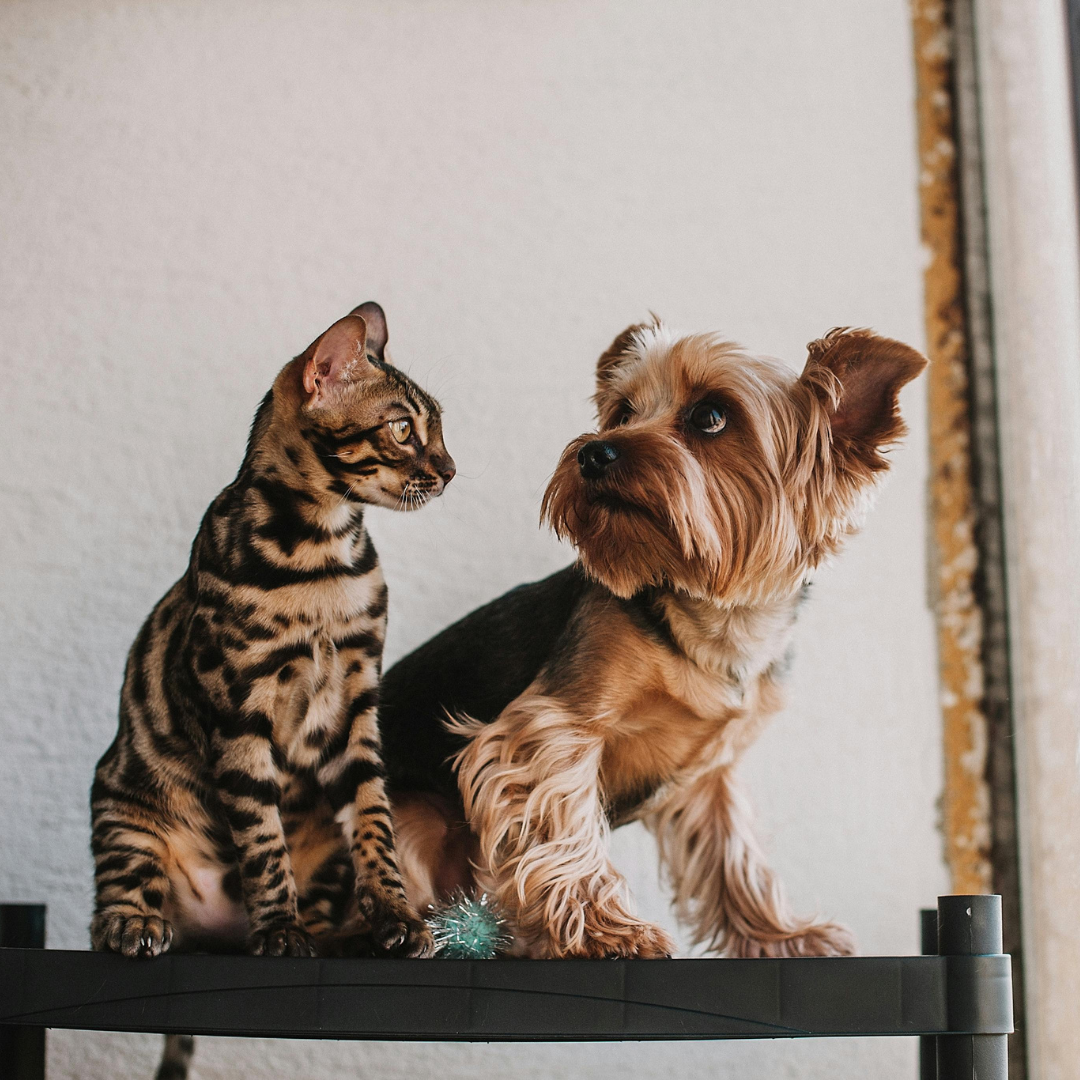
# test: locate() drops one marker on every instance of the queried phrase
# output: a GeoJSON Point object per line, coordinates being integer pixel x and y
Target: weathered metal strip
{"type": "Point", "coordinates": [966, 802]}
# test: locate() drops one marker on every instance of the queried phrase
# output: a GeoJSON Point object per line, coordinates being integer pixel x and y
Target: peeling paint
{"type": "Point", "coordinates": [966, 798]}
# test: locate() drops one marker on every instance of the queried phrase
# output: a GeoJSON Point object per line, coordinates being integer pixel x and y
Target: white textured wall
{"type": "Point", "coordinates": [191, 191]}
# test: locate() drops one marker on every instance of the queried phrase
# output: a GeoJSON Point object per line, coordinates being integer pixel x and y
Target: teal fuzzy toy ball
{"type": "Point", "coordinates": [468, 928]}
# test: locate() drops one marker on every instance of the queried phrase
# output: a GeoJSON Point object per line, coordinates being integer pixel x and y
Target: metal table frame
{"type": "Point", "coordinates": [959, 1001]}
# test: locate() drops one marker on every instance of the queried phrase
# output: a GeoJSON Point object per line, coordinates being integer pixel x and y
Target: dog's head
{"type": "Point", "coordinates": [724, 475]}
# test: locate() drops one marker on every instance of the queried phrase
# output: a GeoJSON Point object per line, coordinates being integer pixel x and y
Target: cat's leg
{"type": "Point", "coordinates": [327, 901]}
{"type": "Point", "coordinates": [530, 781]}
{"type": "Point", "coordinates": [248, 785]}
{"type": "Point", "coordinates": [130, 850]}
{"type": "Point", "coordinates": [131, 885]}
{"type": "Point", "coordinates": [325, 879]}
{"type": "Point", "coordinates": [351, 774]}
{"type": "Point", "coordinates": [723, 887]}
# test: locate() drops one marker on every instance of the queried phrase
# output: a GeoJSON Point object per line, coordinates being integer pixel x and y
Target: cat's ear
{"type": "Point", "coordinates": [338, 358]}
{"type": "Point", "coordinates": [377, 334]}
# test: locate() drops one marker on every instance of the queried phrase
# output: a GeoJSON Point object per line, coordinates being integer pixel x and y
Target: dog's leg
{"type": "Point", "coordinates": [723, 888]}
{"type": "Point", "coordinates": [531, 789]}
{"type": "Point", "coordinates": [434, 846]}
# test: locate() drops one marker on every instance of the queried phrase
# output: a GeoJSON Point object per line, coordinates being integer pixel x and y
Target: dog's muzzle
{"type": "Point", "coordinates": [595, 457]}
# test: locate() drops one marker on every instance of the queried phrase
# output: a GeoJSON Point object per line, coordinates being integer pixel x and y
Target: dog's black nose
{"type": "Point", "coordinates": [595, 457]}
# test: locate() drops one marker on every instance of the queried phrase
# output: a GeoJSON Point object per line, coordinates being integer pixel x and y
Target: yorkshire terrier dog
{"type": "Point", "coordinates": [626, 686]}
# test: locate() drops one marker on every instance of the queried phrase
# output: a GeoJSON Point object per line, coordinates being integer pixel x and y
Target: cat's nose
{"type": "Point", "coordinates": [595, 457]}
{"type": "Point", "coordinates": [447, 470]}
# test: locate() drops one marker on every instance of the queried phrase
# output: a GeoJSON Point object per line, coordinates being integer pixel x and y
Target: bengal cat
{"type": "Point", "coordinates": [242, 802]}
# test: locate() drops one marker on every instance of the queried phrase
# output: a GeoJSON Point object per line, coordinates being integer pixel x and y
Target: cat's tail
{"type": "Point", "coordinates": [176, 1057]}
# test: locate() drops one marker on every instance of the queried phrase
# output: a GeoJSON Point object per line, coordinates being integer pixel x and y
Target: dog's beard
{"type": "Point", "coordinates": [619, 545]}
{"type": "Point", "coordinates": [640, 526]}
{"type": "Point", "coordinates": [659, 519]}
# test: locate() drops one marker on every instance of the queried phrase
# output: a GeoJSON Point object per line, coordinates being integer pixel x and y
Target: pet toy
{"type": "Point", "coordinates": [468, 928]}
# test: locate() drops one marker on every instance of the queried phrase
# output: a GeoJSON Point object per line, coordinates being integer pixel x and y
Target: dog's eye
{"type": "Point", "coordinates": [707, 417]}
{"type": "Point", "coordinates": [624, 419]}
{"type": "Point", "coordinates": [401, 430]}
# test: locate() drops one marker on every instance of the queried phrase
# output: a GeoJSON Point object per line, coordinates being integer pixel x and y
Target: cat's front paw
{"type": "Point", "coordinates": [136, 936]}
{"type": "Point", "coordinates": [287, 939]}
{"type": "Point", "coordinates": [397, 931]}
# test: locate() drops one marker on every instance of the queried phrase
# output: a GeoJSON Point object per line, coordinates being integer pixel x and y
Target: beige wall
{"type": "Point", "coordinates": [190, 191]}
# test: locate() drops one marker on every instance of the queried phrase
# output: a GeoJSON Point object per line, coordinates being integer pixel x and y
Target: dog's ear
{"type": "Point", "coordinates": [623, 348]}
{"type": "Point", "coordinates": [617, 352]}
{"type": "Point", "coordinates": [856, 376]}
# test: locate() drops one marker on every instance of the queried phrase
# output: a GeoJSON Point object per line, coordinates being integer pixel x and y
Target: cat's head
{"type": "Point", "coordinates": [376, 436]}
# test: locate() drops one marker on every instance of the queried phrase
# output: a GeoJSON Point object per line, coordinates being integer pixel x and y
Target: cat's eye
{"type": "Point", "coordinates": [401, 430]}
{"type": "Point", "coordinates": [708, 417]}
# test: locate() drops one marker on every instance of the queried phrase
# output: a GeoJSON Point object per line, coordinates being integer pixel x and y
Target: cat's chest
{"type": "Point", "coordinates": [334, 666]}
{"type": "Point", "coordinates": [325, 649]}
{"type": "Point", "coordinates": [336, 603]}
{"type": "Point", "coordinates": [329, 595]}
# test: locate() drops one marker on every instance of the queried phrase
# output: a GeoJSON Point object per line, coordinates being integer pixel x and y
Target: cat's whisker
{"type": "Point", "coordinates": [349, 490]}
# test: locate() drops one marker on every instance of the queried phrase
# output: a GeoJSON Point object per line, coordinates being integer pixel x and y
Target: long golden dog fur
{"type": "Point", "coordinates": [715, 484]}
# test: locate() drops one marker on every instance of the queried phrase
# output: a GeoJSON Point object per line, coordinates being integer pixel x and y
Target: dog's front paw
{"type": "Point", "coordinates": [640, 941]}
{"type": "Point", "coordinates": [818, 939]}
{"type": "Point", "coordinates": [285, 939]}
{"type": "Point", "coordinates": [137, 936]}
